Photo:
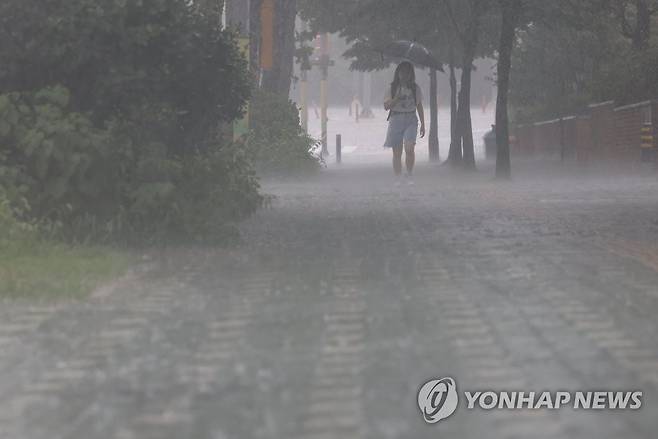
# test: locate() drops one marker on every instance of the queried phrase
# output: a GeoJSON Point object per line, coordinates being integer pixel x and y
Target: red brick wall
{"type": "Point", "coordinates": [628, 131]}
{"type": "Point", "coordinates": [524, 144]}
{"type": "Point", "coordinates": [605, 133]}
{"type": "Point", "coordinates": [584, 144]}
{"type": "Point", "coordinates": [547, 138]}
{"type": "Point", "coordinates": [603, 129]}
{"type": "Point", "coordinates": [654, 122]}
{"type": "Point", "coordinates": [553, 138]}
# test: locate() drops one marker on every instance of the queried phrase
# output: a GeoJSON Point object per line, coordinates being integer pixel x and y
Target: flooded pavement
{"type": "Point", "coordinates": [345, 297]}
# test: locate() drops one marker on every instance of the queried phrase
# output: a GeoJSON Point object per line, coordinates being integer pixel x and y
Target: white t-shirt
{"type": "Point", "coordinates": [406, 102]}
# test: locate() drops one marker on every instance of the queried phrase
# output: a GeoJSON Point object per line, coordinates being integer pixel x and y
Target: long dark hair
{"type": "Point", "coordinates": [395, 85]}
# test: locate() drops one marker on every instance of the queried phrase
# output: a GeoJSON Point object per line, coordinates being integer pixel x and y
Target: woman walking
{"type": "Point", "coordinates": [402, 100]}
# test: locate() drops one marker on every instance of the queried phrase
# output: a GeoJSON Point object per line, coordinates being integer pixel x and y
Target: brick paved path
{"type": "Point", "coordinates": [345, 297]}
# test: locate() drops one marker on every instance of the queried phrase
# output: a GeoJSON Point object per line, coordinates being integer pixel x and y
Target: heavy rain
{"type": "Point", "coordinates": [291, 219]}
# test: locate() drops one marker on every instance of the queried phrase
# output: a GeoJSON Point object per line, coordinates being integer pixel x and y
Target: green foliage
{"type": "Point", "coordinates": [277, 143]}
{"type": "Point", "coordinates": [553, 69]}
{"type": "Point", "coordinates": [53, 271]}
{"type": "Point", "coordinates": [13, 232]}
{"type": "Point", "coordinates": [102, 184]}
{"type": "Point", "coordinates": [630, 77]}
{"type": "Point", "coordinates": [198, 198]}
{"type": "Point", "coordinates": [156, 63]}
{"type": "Point", "coordinates": [369, 25]}
{"type": "Point", "coordinates": [110, 117]}
{"type": "Point", "coordinates": [577, 54]}
{"type": "Point", "coordinates": [53, 157]}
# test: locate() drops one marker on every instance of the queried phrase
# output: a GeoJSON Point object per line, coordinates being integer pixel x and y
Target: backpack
{"type": "Point", "coordinates": [413, 91]}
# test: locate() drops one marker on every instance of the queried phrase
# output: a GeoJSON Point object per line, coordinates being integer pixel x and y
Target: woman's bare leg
{"type": "Point", "coordinates": [410, 156]}
{"type": "Point", "coordinates": [397, 160]}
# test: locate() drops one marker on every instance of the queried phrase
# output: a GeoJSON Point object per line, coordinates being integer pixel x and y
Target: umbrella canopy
{"type": "Point", "coordinates": [413, 52]}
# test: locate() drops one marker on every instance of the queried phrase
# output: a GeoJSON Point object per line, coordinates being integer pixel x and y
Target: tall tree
{"type": "Point", "coordinates": [433, 139]}
{"type": "Point", "coordinates": [635, 20]}
{"type": "Point", "coordinates": [278, 79]}
{"type": "Point", "coordinates": [455, 152]}
{"type": "Point", "coordinates": [511, 13]}
{"type": "Point", "coordinates": [575, 52]}
{"type": "Point", "coordinates": [466, 18]}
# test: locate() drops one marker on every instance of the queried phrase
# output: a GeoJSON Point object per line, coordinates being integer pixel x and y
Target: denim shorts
{"type": "Point", "coordinates": [402, 127]}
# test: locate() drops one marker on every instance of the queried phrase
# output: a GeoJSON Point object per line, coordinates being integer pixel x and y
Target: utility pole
{"type": "Point", "coordinates": [267, 19]}
{"type": "Point", "coordinates": [237, 17]}
{"type": "Point", "coordinates": [324, 62]}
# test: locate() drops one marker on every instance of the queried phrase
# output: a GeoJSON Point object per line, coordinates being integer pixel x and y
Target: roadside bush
{"type": "Point", "coordinates": [276, 142]}
{"type": "Point", "coordinates": [53, 157]}
{"type": "Point", "coordinates": [199, 198]}
{"type": "Point", "coordinates": [110, 118]}
{"type": "Point", "coordinates": [100, 184]}
{"type": "Point", "coordinates": [13, 232]}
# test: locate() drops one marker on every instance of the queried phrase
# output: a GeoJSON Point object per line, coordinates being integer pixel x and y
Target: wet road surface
{"type": "Point", "coordinates": [345, 297]}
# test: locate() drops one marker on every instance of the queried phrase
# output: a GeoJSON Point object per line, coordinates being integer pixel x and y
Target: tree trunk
{"type": "Point", "coordinates": [469, 40]}
{"type": "Point", "coordinates": [278, 79]}
{"type": "Point", "coordinates": [455, 152]}
{"type": "Point", "coordinates": [642, 25]}
{"type": "Point", "coordinates": [464, 111]}
{"type": "Point", "coordinates": [434, 118]}
{"type": "Point", "coordinates": [511, 10]}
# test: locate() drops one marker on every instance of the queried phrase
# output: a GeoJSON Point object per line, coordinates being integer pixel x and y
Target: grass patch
{"type": "Point", "coordinates": [54, 271]}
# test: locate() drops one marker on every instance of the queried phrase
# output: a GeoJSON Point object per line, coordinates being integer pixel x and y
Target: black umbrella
{"type": "Point", "coordinates": [413, 52]}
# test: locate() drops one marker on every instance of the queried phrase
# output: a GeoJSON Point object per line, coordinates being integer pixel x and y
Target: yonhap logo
{"type": "Point", "coordinates": [437, 399]}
